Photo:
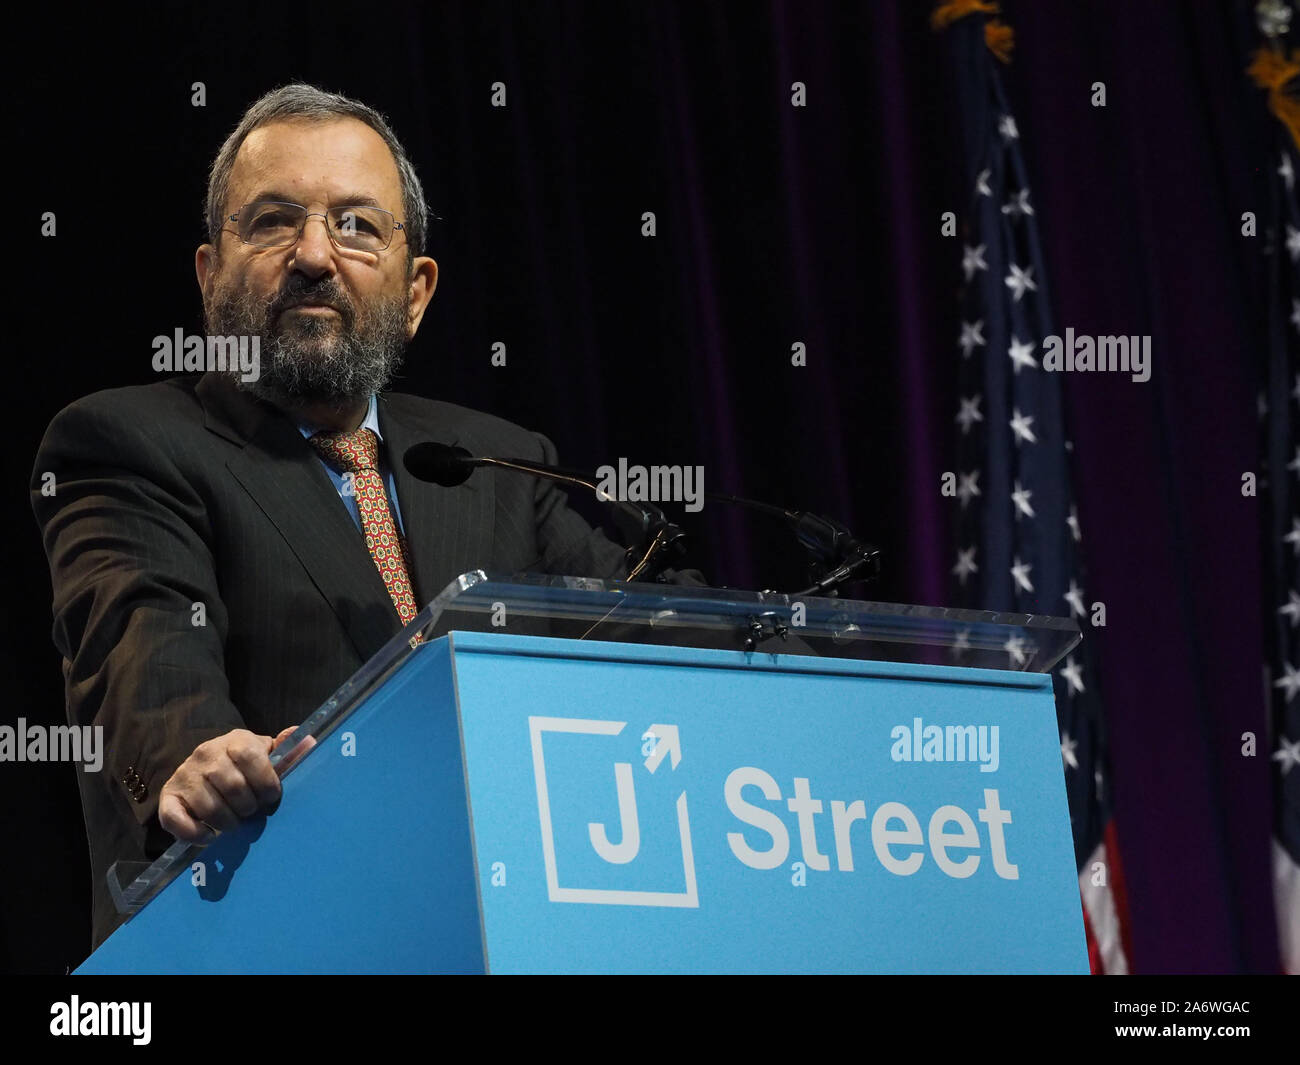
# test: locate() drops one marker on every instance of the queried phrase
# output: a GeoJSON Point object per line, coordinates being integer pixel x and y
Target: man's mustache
{"type": "Point", "coordinates": [298, 295]}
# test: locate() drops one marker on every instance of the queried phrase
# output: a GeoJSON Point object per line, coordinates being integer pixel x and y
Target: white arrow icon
{"type": "Point", "coordinates": [666, 742]}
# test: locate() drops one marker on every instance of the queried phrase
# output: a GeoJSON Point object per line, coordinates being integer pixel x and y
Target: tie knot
{"type": "Point", "coordinates": [348, 452]}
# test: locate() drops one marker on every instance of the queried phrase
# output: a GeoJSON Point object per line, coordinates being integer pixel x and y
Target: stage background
{"type": "Point", "coordinates": [776, 225]}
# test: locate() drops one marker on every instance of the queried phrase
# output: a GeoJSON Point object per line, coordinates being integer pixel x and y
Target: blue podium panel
{"type": "Point", "coordinates": [642, 809]}
{"type": "Point", "coordinates": [528, 804]}
{"type": "Point", "coordinates": [363, 868]}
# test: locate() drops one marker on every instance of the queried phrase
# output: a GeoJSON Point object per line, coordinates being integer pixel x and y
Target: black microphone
{"type": "Point", "coordinates": [440, 464]}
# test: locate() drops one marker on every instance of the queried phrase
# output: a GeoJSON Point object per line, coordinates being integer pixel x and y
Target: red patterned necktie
{"type": "Point", "coordinates": [357, 453]}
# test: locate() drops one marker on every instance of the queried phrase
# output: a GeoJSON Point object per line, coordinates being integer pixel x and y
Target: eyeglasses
{"type": "Point", "coordinates": [267, 224]}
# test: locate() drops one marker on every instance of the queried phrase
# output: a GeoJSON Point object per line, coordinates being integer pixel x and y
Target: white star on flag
{"type": "Point", "coordinates": [1288, 175]}
{"type": "Point", "coordinates": [1019, 280]}
{"type": "Point", "coordinates": [1018, 205]}
{"type": "Point", "coordinates": [1290, 681]}
{"type": "Point", "coordinates": [1292, 608]}
{"type": "Point", "coordinates": [972, 259]}
{"type": "Point", "coordinates": [1007, 127]}
{"type": "Point", "coordinates": [972, 336]}
{"type": "Point", "coordinates": [1294, 464]}
{"type": "Point", "coordinates": [961, 640]}
{"type": "Point", "coordinates": [1295, 313]}
{"type": "Point", "coordinates": [1293, 537]}
{"type": "Point", "coordinates": [968, 487]}
{"type": "Point", "coordinates": [1075, 598]}
{"type": "Point", "coordinates": [965, 564]}
{"type": "Point", "coordinates": [1020, 497]}
{"type": "Point", "coordinates": [1073, 522]}
{"type": "Point", "coordinates": [969, 413]}
{"type": "Point", "coordinates": [1067, 750]}
{"type": "Point", "coordinates": [1020, 574]}
{"type": "Point", "coordinates": [1020, 426]}
{"type": "Point", "coordinates": [1015, 647]}
{"type": "Point", "coordinates": [982, 183]}
{"type": "Point", "coordinates": [1072, 671]}
{"type": "Point", "coordinates": [1293, 242]}
{"type": "Point", "coordinates": [1287, 753]}
{"type": "Point", "coordinates": [1021, 354]}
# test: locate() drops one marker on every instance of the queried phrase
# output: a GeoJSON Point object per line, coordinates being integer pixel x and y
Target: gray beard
{"type": "Point", "coordinates": [308, 360]}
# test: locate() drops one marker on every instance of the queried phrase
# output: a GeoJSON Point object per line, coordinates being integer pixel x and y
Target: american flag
{"type": "Point", "coordinates": [1281, 536]}
{"type": "Point", "coordinates": [1019, 538]}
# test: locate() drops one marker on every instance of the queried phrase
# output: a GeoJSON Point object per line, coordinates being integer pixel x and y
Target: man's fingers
{"type": "Point", "coordinates": [206, 803]}
{"type": "Point", "coordinates": [229, 781]}
{"type": "Point", "coordinates": [253, 763]}
{"type": "Point", "coordinates": [176, 819]}
{"type": "Point", "coordinates": [194, 819]}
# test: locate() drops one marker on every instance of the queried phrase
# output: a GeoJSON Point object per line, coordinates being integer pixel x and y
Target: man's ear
{"type": "Point", "coordinates": [205, 265]}
{"type": "Point", "coordinates": [424, 279]}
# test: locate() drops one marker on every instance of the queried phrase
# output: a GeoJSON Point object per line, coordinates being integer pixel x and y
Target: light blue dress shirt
{"type": "Point", "coordinates": [370, 422]}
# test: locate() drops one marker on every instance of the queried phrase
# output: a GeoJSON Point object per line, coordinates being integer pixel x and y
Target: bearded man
{"type": "Point", "coordinates": [226, 552]}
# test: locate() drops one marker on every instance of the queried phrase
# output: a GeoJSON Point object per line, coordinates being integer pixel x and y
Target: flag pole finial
{"type": "Point", "coordinates": [999, 38]}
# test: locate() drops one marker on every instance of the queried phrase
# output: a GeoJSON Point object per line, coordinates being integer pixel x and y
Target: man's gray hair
{"type": "Point", "coordinates": [300, 101]}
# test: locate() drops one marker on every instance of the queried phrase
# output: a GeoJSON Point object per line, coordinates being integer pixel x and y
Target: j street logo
{"type": "Point", "coordinates": [615, 826]}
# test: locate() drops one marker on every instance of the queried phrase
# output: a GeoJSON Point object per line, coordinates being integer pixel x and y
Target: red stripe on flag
{"type": "Point", "coordinates": [1094, 951]}
{"type": "Point", "coordinates": [1119, 890]}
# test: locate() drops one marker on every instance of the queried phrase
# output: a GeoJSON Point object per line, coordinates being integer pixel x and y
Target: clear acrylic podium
{"type": "Point", "coordinates": [550, 774]}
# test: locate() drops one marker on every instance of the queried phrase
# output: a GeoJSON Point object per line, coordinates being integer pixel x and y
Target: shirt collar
{"type": "Point", "coordinates": [371, 421]}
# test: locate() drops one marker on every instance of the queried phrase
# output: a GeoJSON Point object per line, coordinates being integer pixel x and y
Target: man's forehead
{"type": "Point", "coordinates": [310, 160]}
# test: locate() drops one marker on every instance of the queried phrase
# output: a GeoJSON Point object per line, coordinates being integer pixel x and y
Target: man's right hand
{"type": "Point", "coordinates": [224, 781]}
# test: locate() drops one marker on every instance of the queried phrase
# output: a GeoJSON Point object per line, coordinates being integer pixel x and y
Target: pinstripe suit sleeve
{"type": "Point", "coordinates": [126, 537]}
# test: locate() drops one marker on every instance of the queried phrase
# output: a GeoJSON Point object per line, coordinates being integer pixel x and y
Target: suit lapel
{"type": "Point", "coordinates": [449, 530]}
{"type": "Point", "coordinates": [283, 476]}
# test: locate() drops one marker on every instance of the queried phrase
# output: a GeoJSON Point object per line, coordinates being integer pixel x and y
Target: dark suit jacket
{"type": "Point", "coordinates": [191, 492]}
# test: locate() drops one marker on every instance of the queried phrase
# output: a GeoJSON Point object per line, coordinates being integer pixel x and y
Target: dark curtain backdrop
{"type": "Point", "coordinates": [776, 225]}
